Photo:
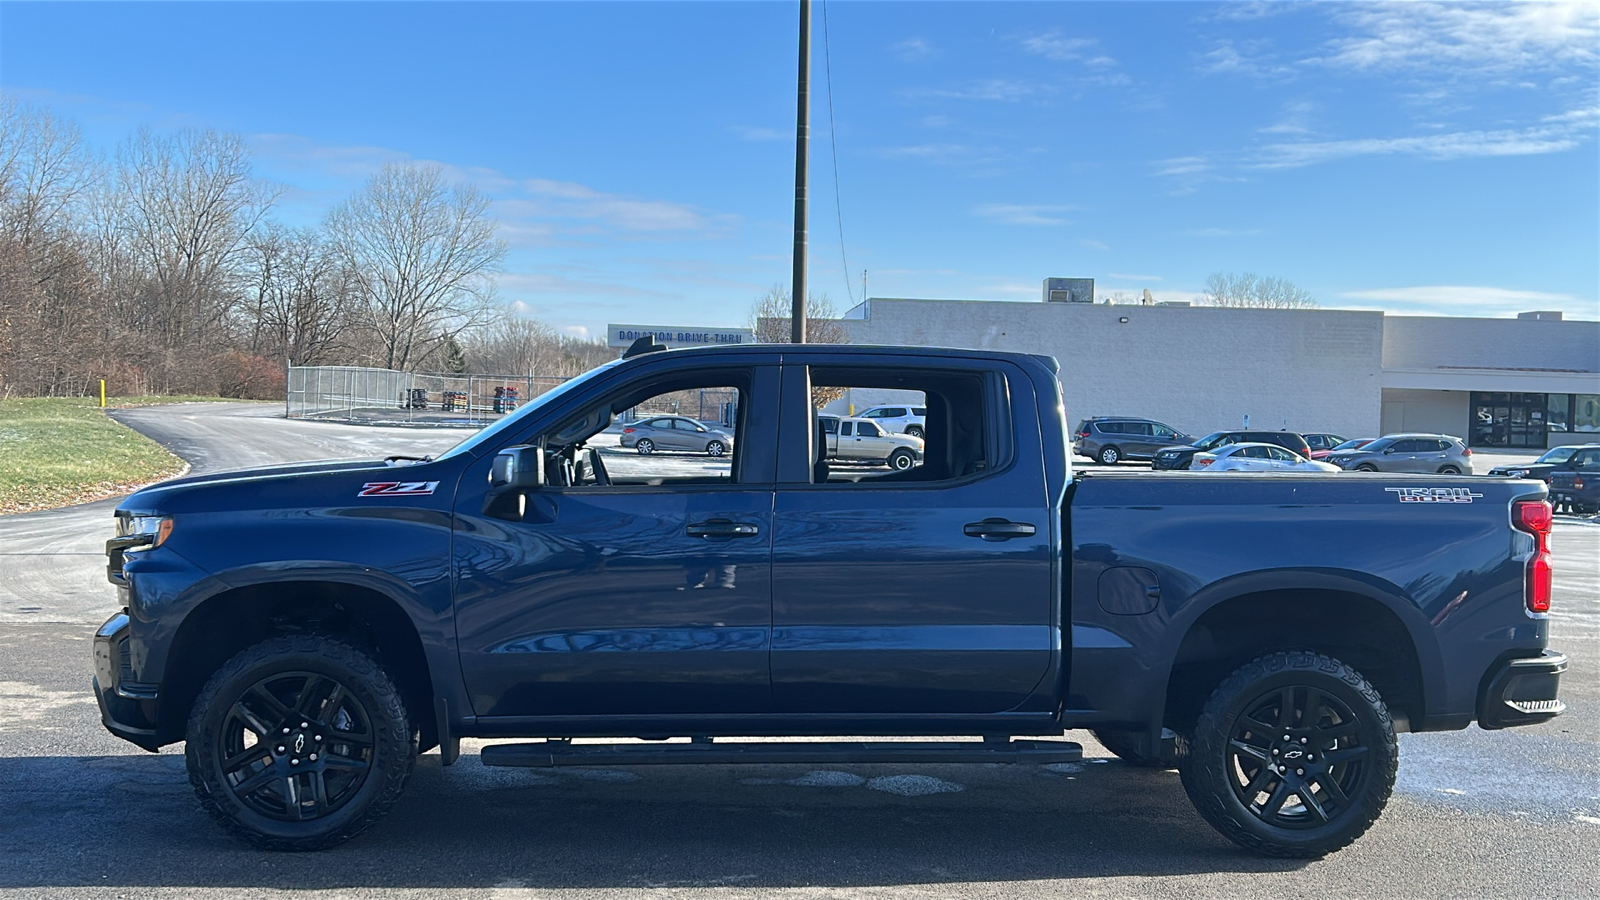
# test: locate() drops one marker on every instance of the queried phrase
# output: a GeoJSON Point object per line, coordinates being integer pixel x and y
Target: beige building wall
{"type": "Point", "coordinates": [1197, 369]}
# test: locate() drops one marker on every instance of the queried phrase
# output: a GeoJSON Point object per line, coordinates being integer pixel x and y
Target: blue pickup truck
{"type": "Point", "coordinates": [308, 630]}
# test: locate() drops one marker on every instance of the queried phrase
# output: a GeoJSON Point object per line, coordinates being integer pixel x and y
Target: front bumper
{"type": "Point", "coordinates": [127, 708]}
{"type": "Point", "coordinates": [1522, 691]}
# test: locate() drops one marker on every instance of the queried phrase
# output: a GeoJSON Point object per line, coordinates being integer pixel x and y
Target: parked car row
{"type": "Point", "coordinates": [1111, 439]}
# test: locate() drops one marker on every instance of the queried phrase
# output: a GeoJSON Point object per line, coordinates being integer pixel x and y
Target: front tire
{"type": "Point", "coordinates": [300, 742]}
{"type": "Point", "coordinates": [901, 460]}
{"type": "Point", "coordinates": [1366, 467]}
{"type": "Point", "coordinates": [1294, 755]}
{"type": "Point", "coordinates": [715, 448]}
{"type": "Point", "coordinates": [1109, 456]}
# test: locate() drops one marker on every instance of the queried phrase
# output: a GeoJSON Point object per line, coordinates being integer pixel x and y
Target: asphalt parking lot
{"type": "Point", "coordinates": [82, 814]}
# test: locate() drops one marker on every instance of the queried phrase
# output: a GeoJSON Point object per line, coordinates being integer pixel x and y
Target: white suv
{"type": "Point", "coordinates": [899, 419]}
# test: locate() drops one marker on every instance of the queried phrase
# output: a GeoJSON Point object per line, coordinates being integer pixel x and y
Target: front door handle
{"type": "Point", "coordinates": [997, 529]}
{"type": "Point", "coordinates": [721, 528]}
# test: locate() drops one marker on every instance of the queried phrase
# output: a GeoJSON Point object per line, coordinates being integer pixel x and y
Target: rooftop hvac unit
{"type": "Point", "coordinates": [1069, 290]}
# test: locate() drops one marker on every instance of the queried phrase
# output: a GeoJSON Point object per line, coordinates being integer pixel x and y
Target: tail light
{"type": "Point", "coordinates": [1535, 518]}
{"type": "Point", "coordinates": [1204, 462]}
{"type": "Point", "coordinates": [1082, 435]}
{"type": "Point", "coordinates": [1577, 483]}
{"type": "Point", "coordinates": [629, 430]}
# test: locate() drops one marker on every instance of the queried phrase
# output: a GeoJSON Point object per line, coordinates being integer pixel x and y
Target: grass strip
{"type": "Point", "coordinates": [59, 451]}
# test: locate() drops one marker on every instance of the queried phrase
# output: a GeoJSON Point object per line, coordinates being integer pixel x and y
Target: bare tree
{"type": "Point", "coordinates": [771, 314]}
{"type": "Point", "coordinates": [425, 252]}
{"type": "Point", "coordinates": [187, 204]}
{"type": "Point", "coordinates": [1251, 290]}
{"type": "Point", "coordinates": [302, 298]}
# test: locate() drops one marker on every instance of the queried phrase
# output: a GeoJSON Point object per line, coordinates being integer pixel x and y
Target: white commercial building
{"type": "Point", "coordinates": [1531, 382]}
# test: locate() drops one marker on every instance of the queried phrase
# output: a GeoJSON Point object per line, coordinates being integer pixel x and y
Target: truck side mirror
{"type": "Point", "coordinates": [519, 468]}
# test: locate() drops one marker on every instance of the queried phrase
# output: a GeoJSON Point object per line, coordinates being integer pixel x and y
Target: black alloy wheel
{"type": "Point", "coordinates": [715, 448]}
{"type": "Point", "coordinates": [1294, 755]}
{"type": "Point", "coordinates": [299, 743]}
{"type": "Point", "coordinates": [1109, 456]}
{"type": "Point", "coordinates": [645, 446]}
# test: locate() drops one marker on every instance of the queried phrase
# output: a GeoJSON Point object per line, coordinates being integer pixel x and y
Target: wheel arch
{"type": "Point", "coordinates": [1373, 628]}
{"type": "Point", "coordinates": [231, 620]}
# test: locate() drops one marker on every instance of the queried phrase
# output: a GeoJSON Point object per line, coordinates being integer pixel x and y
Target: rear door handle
{"type": "Point", "coordinates": [715, 528]}
{"type": "Point", "coordinates": [997, 529]}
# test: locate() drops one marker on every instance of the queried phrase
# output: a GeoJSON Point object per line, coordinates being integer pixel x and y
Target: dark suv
{"type": "Point", "coordinates": [1180, 457]}
{"type": "Point", "coordinates": [1111, 439]}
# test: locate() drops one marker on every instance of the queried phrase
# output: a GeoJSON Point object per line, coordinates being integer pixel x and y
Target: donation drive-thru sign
{"type": "Point", "coordinates": [678, 335]}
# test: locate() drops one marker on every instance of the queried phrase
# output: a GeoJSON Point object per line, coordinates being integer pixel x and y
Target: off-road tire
{"type": "Point", "coordinates": [1109, 456]}
{"type": "Point", "coordinates": [388, 762]}
{"type": "Point", "coordinates": [1358, 756]}
{"type": "Point", "coordinates": [1125, 744]}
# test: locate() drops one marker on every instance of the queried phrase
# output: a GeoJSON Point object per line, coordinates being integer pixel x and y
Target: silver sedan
{"type": "Point", "coordinates": [679, 433]}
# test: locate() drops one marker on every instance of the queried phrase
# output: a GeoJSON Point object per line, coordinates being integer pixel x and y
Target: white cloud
{"type": "Point", "coordinates": [1470, 300]}
{"type": "Point", "coordinates": [1518, 37]}
{"type": "Point", "coordinates": [1183, 165]}
{"type": "Point", "coordinates": [1022, 214]}
{"type": "Point", "coordinates": [1004, 90]}
{"type": "Point", "coordinates": [1558, 134]}
{"type": "Point", "coordinates": [914, 50]}
{"type": "Point", "coordinates": [1296, 119]}
{"type": "Point", "coordinates": [1051, 45]}
{"type": "Point", "coordinates": [568, 200]}
{"type": "Point", "coordinates": [1222, 232]}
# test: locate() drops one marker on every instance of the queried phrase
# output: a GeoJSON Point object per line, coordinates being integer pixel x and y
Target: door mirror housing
{"type": "Point", "coordinates": [518, 468]}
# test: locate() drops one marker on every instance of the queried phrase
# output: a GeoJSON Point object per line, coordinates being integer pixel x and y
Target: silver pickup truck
{"type": "Point", "coordinates": [848, 438]}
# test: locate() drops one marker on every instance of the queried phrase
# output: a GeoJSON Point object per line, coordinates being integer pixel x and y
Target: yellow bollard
{"type": "Point", "coordinates": [102, 393]}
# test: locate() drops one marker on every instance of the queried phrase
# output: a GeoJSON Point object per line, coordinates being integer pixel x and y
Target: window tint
{"type": "Point", "coordinates": [923, 411]}
{"type": "Point", "coordinates": [867, 429]}
{"type": "Point", "coordinates": [1164, 431]}
{"type": "Point", "coordinates": [847, 429]}
{"type": "Point", "coordinates": [1254, 452]}
{"type": "Point", "coordinates": [1587, 458]}
{"type": "Point", "coordinates": [659, 423]}
{"type": "Point", "coordinates": [1408, 446]}
{"type": "Point", "coordinates": [829, 425]}
{"type": "Point", "coordinates": [1137, 428]}
{"type": "Point", "coordinates": [1282, 455]}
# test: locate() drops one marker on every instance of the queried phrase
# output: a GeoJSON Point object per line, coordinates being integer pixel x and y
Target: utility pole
{"type": "Point", "coordinates": [802, 136]}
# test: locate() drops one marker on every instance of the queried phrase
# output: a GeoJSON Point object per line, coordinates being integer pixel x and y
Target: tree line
{"type": "Point", "coordinates": [161, 269]}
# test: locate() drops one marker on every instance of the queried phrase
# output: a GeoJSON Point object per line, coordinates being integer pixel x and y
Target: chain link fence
{"type": "Point", "coordinates": [385, 396]}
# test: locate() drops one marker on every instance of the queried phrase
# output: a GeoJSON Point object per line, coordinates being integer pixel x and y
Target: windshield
{"type": "Point", "coordinates": [1352, 444]}
{"type": "Point", "coordinates": [1211, 440]}
{"type": "Point", "coordinates": [1380, 444]}
{"type": "Point", "coordinates": [1558, 455]}
{"type": "Point", "coordinates": [509, 422]}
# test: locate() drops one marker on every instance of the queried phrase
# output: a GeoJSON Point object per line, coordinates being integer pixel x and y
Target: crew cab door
{"type": "Point", "coordinates": [927, 590]}
{"type": "Point", "coordinates": [650, 594]}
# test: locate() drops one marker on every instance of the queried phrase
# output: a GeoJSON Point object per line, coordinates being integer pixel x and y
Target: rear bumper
{"type": "Point", "coordinates": [1522, 691]}
{"type": "Point", "coordinates": [127, 708]}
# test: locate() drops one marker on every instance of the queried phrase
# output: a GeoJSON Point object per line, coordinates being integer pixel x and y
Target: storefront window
{"type": "Point", "coordinates": [1586, 412]}
{"type": "Point", "coordinates": [1509, 420]}
{"type": "Point", "coordinates": [1556, 408]}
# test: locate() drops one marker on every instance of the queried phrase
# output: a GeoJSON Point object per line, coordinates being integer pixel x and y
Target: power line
{"type": "Point", "coordinates": [833, 143]}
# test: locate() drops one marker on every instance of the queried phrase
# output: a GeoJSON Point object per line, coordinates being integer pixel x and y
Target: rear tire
{"type": "Point", "coordinates": [914, 431]}
{"type": "Point", "coordinates": [300, 742]}
{"type": "Point", "coordinates": [1109, 456]}
{"type": "Point", "coordinates": [1292, 725]}
{"type": "Point", "coordinates": [1449, 470]}
{"type": "Point", "coordinates": [645, 446]}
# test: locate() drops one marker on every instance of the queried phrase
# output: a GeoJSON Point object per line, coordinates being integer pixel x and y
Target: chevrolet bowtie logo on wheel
{"type": "Point", "coordinates": [1435, 495]}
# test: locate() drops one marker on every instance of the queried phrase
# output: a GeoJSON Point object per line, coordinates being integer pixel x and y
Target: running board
{"type": "Point", "coordinates": [551, 753]}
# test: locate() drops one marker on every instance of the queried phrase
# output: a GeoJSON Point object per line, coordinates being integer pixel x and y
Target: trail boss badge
{"type": "Point", "coordinates": [1434, 495]}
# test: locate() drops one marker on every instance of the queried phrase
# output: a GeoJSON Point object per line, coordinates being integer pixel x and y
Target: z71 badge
{"type": "Point", "coordinates": [1435, 495]}
{"type": "Point", "coordinates": [397, 488]}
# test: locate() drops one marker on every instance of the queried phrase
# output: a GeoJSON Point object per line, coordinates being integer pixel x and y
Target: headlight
{"type": "Point", "coordinates": [155, 528]}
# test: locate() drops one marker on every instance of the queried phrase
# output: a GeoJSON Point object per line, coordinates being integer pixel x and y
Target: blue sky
{"type": "Point", "coordinates": [1418, 158]}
